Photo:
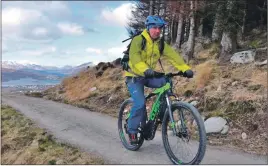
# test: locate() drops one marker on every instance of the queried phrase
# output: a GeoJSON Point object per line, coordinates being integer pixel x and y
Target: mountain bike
{"type": "Point", "coordinates": [166, 110]}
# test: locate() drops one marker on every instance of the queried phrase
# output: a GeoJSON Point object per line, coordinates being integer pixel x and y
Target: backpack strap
{"type": "Point", "coordinates": [161, 49]}
{"type": "Point", "coordinates": [143, 42]}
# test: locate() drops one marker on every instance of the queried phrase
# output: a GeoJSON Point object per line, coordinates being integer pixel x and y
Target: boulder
{"type": "Point", "coordinates": [243, 57]}
{"type": "Point", "coordinates": [116, 62]}
{"type": "Point", "coordinates": [225, 129]}
{"type": "Point", "coordinates": [215, 124]}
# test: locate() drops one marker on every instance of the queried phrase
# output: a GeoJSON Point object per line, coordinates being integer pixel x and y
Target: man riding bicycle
{"type": "Point", "coordinates": [142, 64]}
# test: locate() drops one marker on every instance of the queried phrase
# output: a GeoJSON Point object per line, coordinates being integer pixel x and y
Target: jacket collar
{"type": "Point", "coordinates": [147, 36]}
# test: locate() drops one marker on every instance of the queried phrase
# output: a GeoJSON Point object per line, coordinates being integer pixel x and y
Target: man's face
{"type": "Point", "coordinates": [155, 32]}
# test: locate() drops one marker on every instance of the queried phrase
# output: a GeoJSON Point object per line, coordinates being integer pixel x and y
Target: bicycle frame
{"type": "Point", "coordinates": [165, 90]}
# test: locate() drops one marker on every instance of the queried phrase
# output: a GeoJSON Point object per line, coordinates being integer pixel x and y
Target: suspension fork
{"type": "Point", "coordinates": [170, 115]}
{"type": "Point", "coordinates": [184, 128]}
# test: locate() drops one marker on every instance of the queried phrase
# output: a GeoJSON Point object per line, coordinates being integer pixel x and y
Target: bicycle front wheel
{"type": "Point", "coordinates": [190, 136]}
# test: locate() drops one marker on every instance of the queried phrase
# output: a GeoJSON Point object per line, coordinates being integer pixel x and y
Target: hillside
{"type": "Point", "coordinates": [235, 92]}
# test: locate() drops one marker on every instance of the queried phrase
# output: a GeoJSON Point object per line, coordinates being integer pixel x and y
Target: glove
{"type": "Point", "coordinates": [188, 74]}
{"type": "Point", "coordinates": [149, 73]}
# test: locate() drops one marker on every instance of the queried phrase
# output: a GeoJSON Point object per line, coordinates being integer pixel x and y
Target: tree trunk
{"type": "Point", "coordinates": [228, 42]}
{"type": "Point", "coordinates": [228, 45]}
{"type": "Point", "coordinates": [186, 30]}
{"type": "Point", "coordinates": [151, 7]}
{"type": "Point", "coordinates": [200, 28]}
{"type": "Point", "coordinates": [190, 42]}
{"type": "Point", "coordinates": [244, 21]}
{"type": "Point", "coordinates": [217, 29]}
{"type": "Point", "coordinates": [172, 27]}
{"type": "Point", "coordinates": [179, 31]}
{"type": "Point", "coordinates": [158, 7]}
{"type": "Point", "coordinates": [262, 18]}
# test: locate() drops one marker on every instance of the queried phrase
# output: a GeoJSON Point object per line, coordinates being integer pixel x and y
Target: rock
{"type": "Point", "coordinates": [234, 83]}
{"type": "Point", "coordinates": [225, 129]}
{"type": "Point", "coordinates": [256, 31]}
{"type": "Point", "coordinates": [244, 135]}
{"type": "Point", "coordinates": [116, 62]}
{"type": "Point", "coordinates": [92, 89]}
{"type": "Point", "coordinates": [261, 63]}
{"type": "Point", "coordinates": [110, 98]}
{"type": "Point", "coordinates": [194, 103]}
{"type": "Point", "coordinates": [214, 124]}
{"type": "Point", "coordinates": [243, 57]}
{"type": "Point", "coordinates": [60, 162]}
{"type": "Point", "coordinates": [35, 144]}
{"type": "Point", "coordinates": [219, 88]}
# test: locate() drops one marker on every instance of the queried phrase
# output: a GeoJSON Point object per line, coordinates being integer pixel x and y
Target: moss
{"type": "Point", "coordinates": [236, 108]}
{"type": "Point", "coordinates": [212, 103]}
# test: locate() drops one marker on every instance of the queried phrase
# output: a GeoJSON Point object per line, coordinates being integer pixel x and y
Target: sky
{"type": "Point", "coordinates": [59, 33]}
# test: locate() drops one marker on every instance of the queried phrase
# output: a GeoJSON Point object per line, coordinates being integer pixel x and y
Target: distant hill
{"type": "Point", "coordinates": [13, 71]}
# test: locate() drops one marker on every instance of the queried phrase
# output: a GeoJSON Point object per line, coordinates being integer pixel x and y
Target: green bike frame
{"type": "Point", "coordinates": [156, 105]}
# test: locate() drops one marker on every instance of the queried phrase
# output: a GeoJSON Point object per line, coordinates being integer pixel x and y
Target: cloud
{"type": "Point", "coordinates": [19, 24]}
{"type": "Point", "coordinates": [13, 16]}
{"type": "Point", "coordinates": [26, 62]}
{"type": "Point", "coordinates": [71, 28]}
{"type": "Point", "coordinates": [93, 50]}
{"type": "Point", "coordinates": [116, 51]}
{"type": "Point", "coordinates": [38, 22]}
{"type": "Point", "coordinates": [118, 16]}
{"type": "Point", "coordinates": [57, 9]}
{"type": "Point", "coordinates": [40, 52]}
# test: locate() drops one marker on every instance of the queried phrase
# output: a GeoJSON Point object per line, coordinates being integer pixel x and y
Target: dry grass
{"type": "Point", "coordinates": [259, 77]}
{"type": "Point", "coordinates": [210, 53]}
{"type": "Point", "coordinates": [78, 87]}
{"type": "Point", "coordinates": [243, 94]}
{"type": "Point", "coordinates": [204, 73]}
{"type": "Point", "coordinates": [23, 143]}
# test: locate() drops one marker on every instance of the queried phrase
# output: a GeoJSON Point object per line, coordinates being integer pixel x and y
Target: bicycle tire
{"type": "Point", "coordinates": [121, 130]}
{"type": "Point", "coordinates": [202, 134]}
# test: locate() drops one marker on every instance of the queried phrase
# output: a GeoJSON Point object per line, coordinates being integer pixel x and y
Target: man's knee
{"type": "Point", "coordinates": [156, 82]}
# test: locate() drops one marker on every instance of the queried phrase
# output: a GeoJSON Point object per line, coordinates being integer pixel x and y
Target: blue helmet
{"type": "Point", "coordinates": [155, 20]}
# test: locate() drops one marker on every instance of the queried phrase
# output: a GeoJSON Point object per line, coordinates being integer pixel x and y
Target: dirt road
{"type": "Point", "coordinates": [95, 132]}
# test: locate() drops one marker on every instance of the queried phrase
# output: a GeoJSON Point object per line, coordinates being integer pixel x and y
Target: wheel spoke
{"type": "Point", "coordinates": [187, 141]}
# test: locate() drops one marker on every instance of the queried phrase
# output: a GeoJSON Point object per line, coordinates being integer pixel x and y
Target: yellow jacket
{"type": "Point", "coordinates": [141, 60]}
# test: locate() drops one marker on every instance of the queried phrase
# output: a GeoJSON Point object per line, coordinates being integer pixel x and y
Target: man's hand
{"type": "Point", "coordinates": [188, 74]}
{"type": "Point", "coordinates": [149, 73]}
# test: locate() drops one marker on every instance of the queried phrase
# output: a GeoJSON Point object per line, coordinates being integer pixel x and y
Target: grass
{"type": "Point", "coordinates": [24, 143]}
{"type": "Point", "coordinates": [204, 73]}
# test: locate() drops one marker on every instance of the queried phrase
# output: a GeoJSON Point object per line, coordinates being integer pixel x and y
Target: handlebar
{"type": "Point", "coordinates": [160, 74]}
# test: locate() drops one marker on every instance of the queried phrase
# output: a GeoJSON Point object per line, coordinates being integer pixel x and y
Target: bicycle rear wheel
{"type": "Point", "coordinates": [122, 126]}
{"type": "Point", "coordinates": [190, 130]}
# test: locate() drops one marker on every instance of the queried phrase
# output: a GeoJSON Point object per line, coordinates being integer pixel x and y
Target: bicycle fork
{"type": "Point", "coordinates": [173, 126]}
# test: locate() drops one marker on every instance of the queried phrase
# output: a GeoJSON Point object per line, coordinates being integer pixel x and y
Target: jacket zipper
{"type": "Point", "coordinates": [152, 55]}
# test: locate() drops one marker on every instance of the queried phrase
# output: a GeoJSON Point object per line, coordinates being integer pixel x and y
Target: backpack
{"type": "Point", "coordinates": [125, 59]}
